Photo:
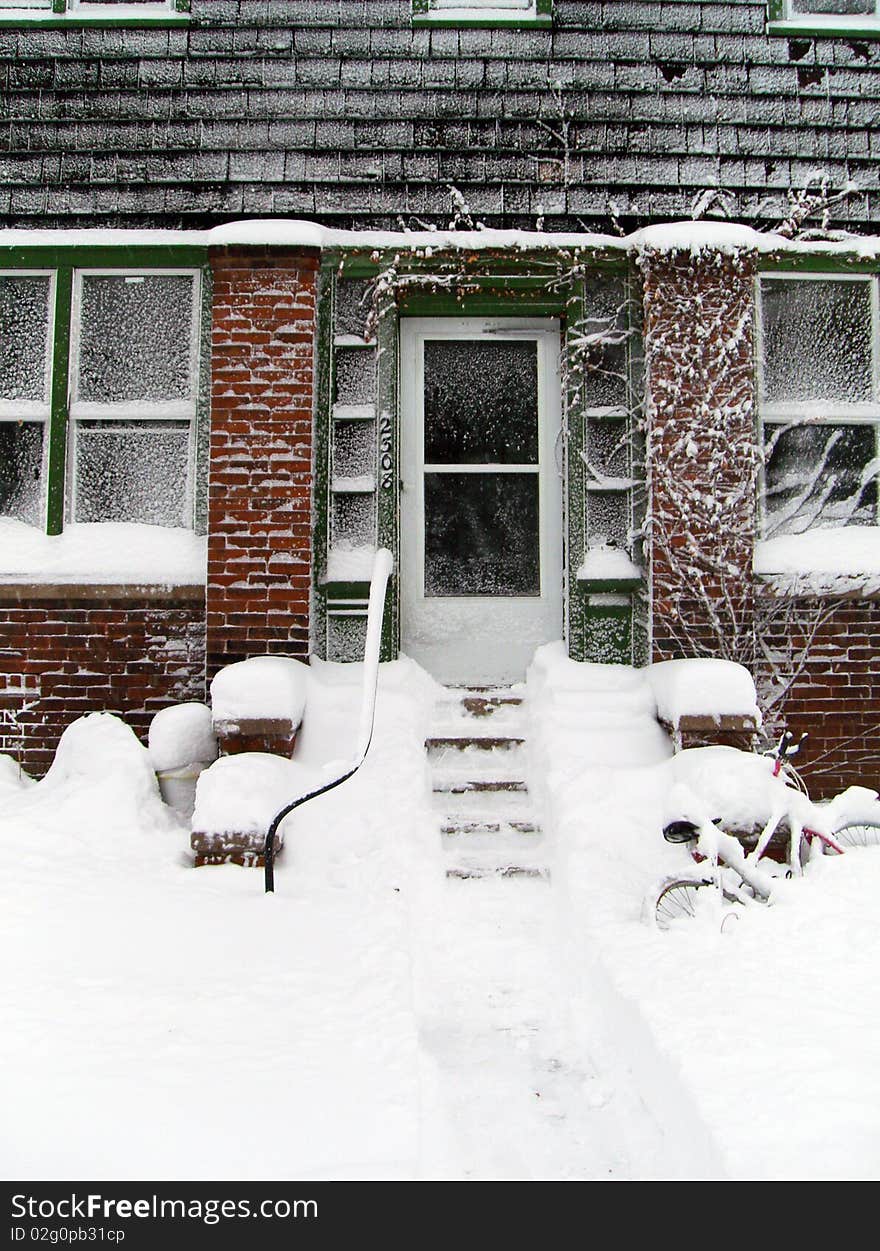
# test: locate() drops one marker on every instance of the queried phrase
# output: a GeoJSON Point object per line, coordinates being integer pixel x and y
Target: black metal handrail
{"type": "Point", "coordinates": [382, 565]}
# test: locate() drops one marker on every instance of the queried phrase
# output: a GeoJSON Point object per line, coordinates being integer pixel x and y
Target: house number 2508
{"type": "Point", "coordinates": [386, 460]}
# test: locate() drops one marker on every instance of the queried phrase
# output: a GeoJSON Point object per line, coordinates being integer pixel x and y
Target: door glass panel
{"type": "Point", "coordinates": [481, 402]}
{"type": "Point", "coordinates": [481, 534]}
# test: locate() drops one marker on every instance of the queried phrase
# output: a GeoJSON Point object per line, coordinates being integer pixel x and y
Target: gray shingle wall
{"type": "Point", "coordinates": [338, 110]}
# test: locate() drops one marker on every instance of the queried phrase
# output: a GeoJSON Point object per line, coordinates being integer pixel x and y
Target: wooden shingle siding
{"type": "Point", "coordinates": [340, 111]}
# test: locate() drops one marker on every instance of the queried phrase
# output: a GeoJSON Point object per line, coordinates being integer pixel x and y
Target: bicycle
{"type": "Point", "coordinates": [728, 849]}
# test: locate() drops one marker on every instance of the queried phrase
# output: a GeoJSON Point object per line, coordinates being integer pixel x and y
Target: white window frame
{"type": "Point", "coordinates": [144, 8]}
{"type": "Point", "coordinates": [816, 412]}
{"type": "Point", "coordinates": [480, 12]}
{"type": "Point", "coordinates": [151, 412]}
{"type": "Point", "coordinates": [90, 11]}
{"type": "Point", "coordinates": [37, 410]}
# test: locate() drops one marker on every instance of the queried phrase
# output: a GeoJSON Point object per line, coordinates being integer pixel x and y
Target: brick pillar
{"type": "Point", "coordinates": [260, 479]}
{"type": "Point", "coordinates": [702, 451]}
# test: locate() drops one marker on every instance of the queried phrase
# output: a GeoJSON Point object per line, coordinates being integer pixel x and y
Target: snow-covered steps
{"type": "Point", "coordinates": [477, 757]}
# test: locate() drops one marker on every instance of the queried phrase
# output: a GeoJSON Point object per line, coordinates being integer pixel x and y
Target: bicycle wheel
{"type": "Point", "coordinates": [858, 836]}
{"type": "Point", "coordinates": [675, 898]}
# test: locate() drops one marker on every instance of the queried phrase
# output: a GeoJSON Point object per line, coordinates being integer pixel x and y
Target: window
{"type": "Point", "coordinates": [94, 11]}
{"type": "Point", "coordinates": [101, 417]}
{"type": "Point", "coordinates": [830, 16]}
{"type": "Point", "coordinates": [820, 401]}
{"type": "Point", "coordinates": [26, 307]}
{"type": "Point", "coordinates": [482, 12]}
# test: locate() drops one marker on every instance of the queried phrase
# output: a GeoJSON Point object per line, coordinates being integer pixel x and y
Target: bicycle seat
{"type": "Point", "coordinates": [680, 832]}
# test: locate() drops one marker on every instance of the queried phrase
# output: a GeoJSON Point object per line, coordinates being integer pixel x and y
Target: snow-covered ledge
{"type": "Point", "coordinates": [100, 560]}
{"type": "Point", "coordinates": [838, 562]}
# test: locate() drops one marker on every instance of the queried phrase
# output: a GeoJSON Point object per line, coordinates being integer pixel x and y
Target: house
{"type": "Point", "coordinates": [572, 305]}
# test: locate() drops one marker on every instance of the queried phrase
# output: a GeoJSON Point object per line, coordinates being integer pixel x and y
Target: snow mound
{"type": "Point", "coordinates": [702, 688]}
{"type": "Point", "coordinates": [241, 794]}
{"type": "Point", "coordinates": [606, 563]}
{"type": "Point", "coordinates": [696, 237]}
{"type": "Point", "coordinates": [99, 746]}
{"type": "Point", "coordinates": [181, 735]}
{"type": "Point", "coordinates": [350, 563]}
{"type": "Point", "coordinates": [270, 687]}
{"type": "Point", "coordinates": [12, 776]}
{"type": "Point", "coordinates": [724, 782]}
{"type": "Point", "coordinates": [100, 787]}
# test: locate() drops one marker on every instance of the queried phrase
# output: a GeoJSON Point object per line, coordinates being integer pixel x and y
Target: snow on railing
{"type": "Point", "coordinates": [383, 563]}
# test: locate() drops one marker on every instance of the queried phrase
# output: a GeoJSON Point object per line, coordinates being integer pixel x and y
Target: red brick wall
{"type": "Point", "coordinates": [703, 460]}
{"type": "Point", "coordinates": [61, 659]}
{"type": "Point", "coordinates": [836, 699]}
{"type": "Point", "coordinates": [259, 493]}
{"type": "Point", "coordinates": [702, 468]}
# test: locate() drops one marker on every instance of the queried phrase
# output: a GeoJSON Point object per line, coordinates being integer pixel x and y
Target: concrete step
{"type": "Point", "coordinates": [477, 806]}
{"type": "Point", "coordinates": [467, 829]}
{"type": "Point", "coordinates": [452, 784]}
{"type": "Point", "coordinates": [491, 712]}
{"type": "Point", "coordinates": [492, 863]}
{"type": "Point", "coordinates": [480, 742]}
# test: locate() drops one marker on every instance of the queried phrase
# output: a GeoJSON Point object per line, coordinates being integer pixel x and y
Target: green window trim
{"type": "Point", "coordinates": [64, 14]}
{"type": "Point", "coordinates": [61, 266]}
{"type": "Point", "coordinates": [780, 22]}
{"type": "Point", "coordinates": [425, 15]}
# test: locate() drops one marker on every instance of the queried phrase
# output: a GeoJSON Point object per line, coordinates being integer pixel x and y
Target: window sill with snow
{"type": "Point", "coordinates": [101, 561]}
{"type": "Point", "coordinates": [842, 563]}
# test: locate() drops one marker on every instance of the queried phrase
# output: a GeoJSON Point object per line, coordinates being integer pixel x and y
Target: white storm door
{"type": "Point", "coordinates": [481, 504]}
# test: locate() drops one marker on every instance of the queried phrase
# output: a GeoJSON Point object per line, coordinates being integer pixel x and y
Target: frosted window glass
{"type": "Point", "coordinates": [24, 327]}
{"type": "Point", "coordinates": [608, 518]}
{"type": "Point", "coordinates": [355, 376]}
{"type": "Point", "coordinates": [353, 520]}
{"type": "Point", "coordinates": [481, 534]}
{"type": "Point", "coordinates": [354, 448]}
{"type": "Point", "coordinates": [481, 402]}
{"type": "Point", "coordinates": [21, 461]}
{"type": "Point", "coordinates": [132, 472]}
{"type": "Point", "coordinates": [816, 341]}
{"type": "Point", "coordinates": [135, 338]}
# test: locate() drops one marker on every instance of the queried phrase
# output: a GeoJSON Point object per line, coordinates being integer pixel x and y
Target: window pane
{"type": "Point", "coordinates": [481, 534]}
{"type": "Point", "coordinates": [135, 338]}
{"type": "Point", "coordinates": [21, 461]}
{"type": "Point", "coordinates": [481, 402]}
{"type": "Point", "coordinates": [132, 472]}
{"type": "Point", "coordinates": [600, 343]}
{"type": "Point", "coordinates": [820, 476]}
{"type": "Point", "coordinates": [832, 6]}
{"type": "Point", "coordinates": [24, 328]}
{"type": "Point", "coordinates": [817, 341]}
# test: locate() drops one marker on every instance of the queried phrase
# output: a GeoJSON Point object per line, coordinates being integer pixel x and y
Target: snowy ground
{"type": "Point", "coordinates": [372, 1019]}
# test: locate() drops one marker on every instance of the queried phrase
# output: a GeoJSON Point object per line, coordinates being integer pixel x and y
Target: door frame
{"type": "Point", "coordinates": [546, 332]}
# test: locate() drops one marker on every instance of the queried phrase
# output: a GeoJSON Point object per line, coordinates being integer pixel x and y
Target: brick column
{"type": "Point", "coordinates": [260, 478]}
{"type": "Point", "coordinates": [702, 451]}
